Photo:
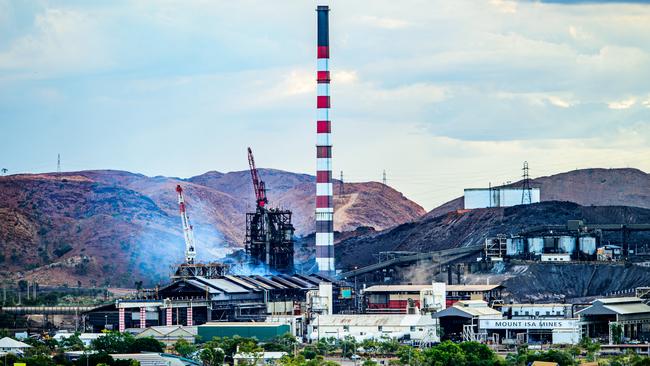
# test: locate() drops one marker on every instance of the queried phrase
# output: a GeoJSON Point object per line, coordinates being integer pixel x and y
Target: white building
{"type": "Point", "coordinates": [531, 331]}
{"type": "Point", "coordinates": [419, 328]}
{"type": "Point", "coordinates": [10, 345]}
{"type": "Point", "coordinates": [169, 335]}
{"type": "Point", "coordinates": [497, 197]}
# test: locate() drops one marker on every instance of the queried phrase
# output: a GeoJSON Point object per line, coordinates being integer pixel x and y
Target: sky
{"type": "Point", "coordinates": [442, 95]}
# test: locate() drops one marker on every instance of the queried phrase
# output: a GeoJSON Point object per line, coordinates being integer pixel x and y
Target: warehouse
{"type": "Point", "coordinates": [630, 314]}
{"type": "Point", "coordinates": [416, 328]}
{"type": "Point", "coordinates": [263, 332]}
{"type": "Point", "coordinates": [461, 321]}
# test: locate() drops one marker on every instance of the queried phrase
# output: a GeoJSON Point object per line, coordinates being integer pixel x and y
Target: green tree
{"type": "Point", "coordinates": [591, 348]}
{"type": "Point", "coordinates": [113, 342]}
{"type": "Point", "coordinates": [446, 353]}
{"type": "Point", "coordinates": [184, 348]}
{"type": "Point", "coordinates": [284, 343]}
{"type": "Point", "coordinates": [146, 344]}
{"type": "Point", "coordinates": [72, 343]}
{"type": "Point", "coordinates": [410, 356]}
{"type": "Point", "coordinates": [212, 356]}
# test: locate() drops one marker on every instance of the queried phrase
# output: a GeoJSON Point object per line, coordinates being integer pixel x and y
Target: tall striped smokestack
{"type": "Point", "coordinates": [324, 190]}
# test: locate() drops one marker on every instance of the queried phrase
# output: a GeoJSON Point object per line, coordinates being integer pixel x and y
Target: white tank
{"type": "Point", "coordinates": [567, 244]}
{"type": "Point", "coordinates": [536, 245]}
{"type": "Point", "coordinates": [588, 245]}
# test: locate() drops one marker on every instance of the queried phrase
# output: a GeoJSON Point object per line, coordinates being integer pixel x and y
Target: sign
{"type": "Point", "coordinates": [528, 324]}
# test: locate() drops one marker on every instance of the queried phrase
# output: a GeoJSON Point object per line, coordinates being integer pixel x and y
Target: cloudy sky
{"type": "Point", "coordinates": [441, 94]}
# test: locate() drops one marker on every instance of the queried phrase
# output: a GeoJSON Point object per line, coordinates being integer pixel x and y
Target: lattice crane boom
{"type": "Point", "coordinates": [258, 184]}
{"type": "Point", "coordinates": [188, 232]}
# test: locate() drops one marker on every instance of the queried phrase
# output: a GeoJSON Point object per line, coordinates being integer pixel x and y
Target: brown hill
{"type": "Point", "coordinates": [114, 227]}
{"type": "Point", "coordinates": [586, 187]}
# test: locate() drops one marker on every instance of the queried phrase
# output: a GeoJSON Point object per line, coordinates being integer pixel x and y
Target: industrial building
{"type": "Point", "coordinates": [263, 331]}
{"type": "Point", "coordinates": [408, 327]}
{"type": "Point", "coordinates": [530, 331]}
{"type": "Point", "coordinates": [629, 314]}
{"type": "Point", "coordinates": [198, 300]}
{"type": "Point", "coordinates": [460, 321]}
{"type": "Point", "coordinates": [499, 197]}
{"type": "Point", "coordinates": [398, 299]}
{"type": "Point", "coordinates": [269, 232]}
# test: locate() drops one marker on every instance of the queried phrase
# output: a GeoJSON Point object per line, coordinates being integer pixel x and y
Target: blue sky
{"type": "Point", "coordinates": [441, 94]}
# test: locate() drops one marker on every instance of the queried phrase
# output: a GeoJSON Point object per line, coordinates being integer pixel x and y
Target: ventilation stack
{"type": "Point", "coordinates": [324, 192]}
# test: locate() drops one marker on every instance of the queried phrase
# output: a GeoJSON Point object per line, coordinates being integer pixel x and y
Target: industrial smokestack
{"type": "Point", "coordinates": [324, 191]}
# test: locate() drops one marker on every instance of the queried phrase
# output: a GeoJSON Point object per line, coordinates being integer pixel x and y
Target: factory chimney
{"type": "Point", "coordinates": [324, 192]}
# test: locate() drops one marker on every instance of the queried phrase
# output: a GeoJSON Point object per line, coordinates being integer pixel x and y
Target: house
{"type": "Point", "coordinates": [10, 345]}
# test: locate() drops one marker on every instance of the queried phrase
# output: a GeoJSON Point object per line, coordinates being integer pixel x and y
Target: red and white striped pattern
{"type": "Point", "coordinates": [143, 317]}
{"type": "Point", "coordinates": [190, 321]}
{"type": "Point", "coordinates": [324, 189]}
{"type": "Point", "coordinates": [120, 319]}
{"type": "Point", "coordinates": [168, 316]}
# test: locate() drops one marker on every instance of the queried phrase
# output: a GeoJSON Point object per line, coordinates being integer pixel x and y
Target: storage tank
{"type": "Point", "coordinates": [588, 245]}
{"type": "Point", "coordinates": [536, 245]}
{"type": "Point", "coordinates": [567, 244]}
{"type": "Point", "coordinates": [515, 246]}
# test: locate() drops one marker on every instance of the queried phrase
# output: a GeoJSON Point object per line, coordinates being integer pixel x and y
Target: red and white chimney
{"type": "Point", "coordinates": [324, 189]}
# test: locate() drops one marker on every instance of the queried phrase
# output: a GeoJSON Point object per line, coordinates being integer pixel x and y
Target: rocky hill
{"type": "Point", "coordinates": [471, 227]}
{"type": "Point", "coordinates": [115, 227]}
{"type": "Point", "coordinates": [587, 187]}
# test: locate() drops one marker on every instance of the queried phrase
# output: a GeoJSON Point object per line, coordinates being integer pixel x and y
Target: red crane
{"type": "Point", "coordinates": [258, 184]}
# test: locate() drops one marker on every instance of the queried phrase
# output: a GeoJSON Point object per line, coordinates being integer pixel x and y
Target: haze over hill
{"type": "Point", "coordinates": [115, 227]}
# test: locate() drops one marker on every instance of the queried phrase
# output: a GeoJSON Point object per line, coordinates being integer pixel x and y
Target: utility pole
{"type": "Point", "coordinates": [383, 179]}
{"type": "Point", "coordinates": [58, 163]}
{"type": "Point", "coordinates": [341, 190]}
{"type": "Point", "coordinates": [526, 193]}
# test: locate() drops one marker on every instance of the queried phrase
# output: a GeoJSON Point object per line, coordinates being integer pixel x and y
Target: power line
{"type": "Point", "coordinates": [526, 193]}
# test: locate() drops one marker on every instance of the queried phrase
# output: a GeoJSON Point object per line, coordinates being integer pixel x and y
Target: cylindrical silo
{"type": "Point", "coordinates": [588, 245]}
{"type": "Point", "coordinates": [567, 244]}
{"type": "Point", "coordinates": [536, 245]}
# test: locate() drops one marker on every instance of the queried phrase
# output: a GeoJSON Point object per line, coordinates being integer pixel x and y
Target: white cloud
{"type": "Point", "coordinates": [622, 104]}
{"type": "Point", "coordinates": [505, 6]}
{"type": "Point", "coordinates": [385, 23]}
{"type": "Point", "coordinates": [61, 40]}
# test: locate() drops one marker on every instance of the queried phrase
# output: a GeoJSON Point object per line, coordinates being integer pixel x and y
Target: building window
{"type": "Point", "coordinates": [380, 328]}
{"type": "Point", "coordinates": [412, 329]}
{"type": "Point", "coordinates": [548, 313]}
{"type": "Point", "coordinates": [346, 328]}
{"type": "Point", "coordinates": [516, 313]}
{"type": "Point", "coordinates": [537, 313]}
{"type": "Point", "coordinates": [527, 313]}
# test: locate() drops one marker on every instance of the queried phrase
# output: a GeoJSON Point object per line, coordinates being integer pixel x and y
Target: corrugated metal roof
{"type": "Point", "coordinates": [618, 300]}
{"type": "Point", "coordinates": [255, 282]}
{"type": "Point", "coordinates": [241, 282]}
{"type": "Point", "coordinates": [629, 308]}
{"type": "Point", "coordinates": [202, 286]}
{"type": "Point", "coordinates": [223, 285]}
{"type": "Point", "coordinates": [472, 287]}
{"type": "Point", "coordinates": [470, 308]}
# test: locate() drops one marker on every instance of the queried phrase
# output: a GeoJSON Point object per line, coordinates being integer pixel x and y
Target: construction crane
{"type": "Point", "coordinates": [190, 250]}
{"type": "Point", "coordinates": [258, 184]}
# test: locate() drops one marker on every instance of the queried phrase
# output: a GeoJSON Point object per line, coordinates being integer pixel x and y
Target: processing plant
{"type": "Point", "coordinates": [269, 232]}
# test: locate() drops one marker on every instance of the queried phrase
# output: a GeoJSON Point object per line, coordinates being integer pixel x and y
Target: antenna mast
{"type": "Point", "coordinates": [526, 193]}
